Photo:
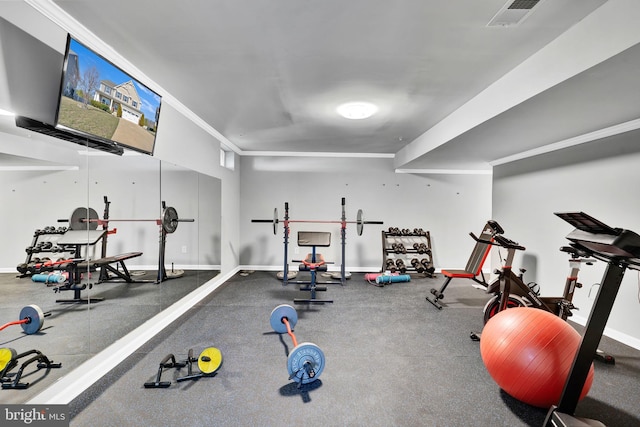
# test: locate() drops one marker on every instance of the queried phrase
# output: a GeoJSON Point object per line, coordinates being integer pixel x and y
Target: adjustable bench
{"type": "Point", "coordinates": [473, 268]}
{"type": "Point", "coordinates": [76, 269]}
{"type": "Point", "coordinates": [313, 263]}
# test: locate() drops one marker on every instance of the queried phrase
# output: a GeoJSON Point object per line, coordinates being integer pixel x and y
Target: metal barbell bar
{"type": "Point", "coordinates": [360, 222]}
{"type": "Point", "coordinates": [87, 218]}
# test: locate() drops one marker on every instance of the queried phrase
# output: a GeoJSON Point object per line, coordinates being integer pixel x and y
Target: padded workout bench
{"type": "Point", "coordinates": [473, 268]}
{"type": "Point", "coordinates": [313, 263]}
{"type": "Point", "coordinates": [77, 268]}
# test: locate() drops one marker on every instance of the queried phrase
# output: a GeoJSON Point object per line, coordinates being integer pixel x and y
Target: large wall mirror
{"type": "Point", "coordinates": [40, 190]}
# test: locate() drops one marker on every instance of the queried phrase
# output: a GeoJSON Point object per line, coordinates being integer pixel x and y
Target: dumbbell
{"type": "Point", "coordinates": [417, 265]}
{"type": "Point", "coordinates": [306, 361]}
{"type": "Point", "coordinates": [401, 266]}
{"type": "Point", "coordinates": [31, 319]}
{"type": "Point", "coordinates": [390, 265]}
{"type": "Point", "coordinates": [399, 248]}
{"type": "Point", "coordinates": [427, 265]}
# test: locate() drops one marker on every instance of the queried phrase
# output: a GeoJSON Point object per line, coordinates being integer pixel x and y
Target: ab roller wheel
{"type": "Point", "coordinates": [306, 362]}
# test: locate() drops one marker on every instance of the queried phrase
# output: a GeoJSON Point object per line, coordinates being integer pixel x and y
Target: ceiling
{"type": "Point", "coordinates": [267, 75]}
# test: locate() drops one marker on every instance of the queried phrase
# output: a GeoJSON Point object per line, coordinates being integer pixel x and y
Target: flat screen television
{"type": "Point", "coordinates": [99, 100]}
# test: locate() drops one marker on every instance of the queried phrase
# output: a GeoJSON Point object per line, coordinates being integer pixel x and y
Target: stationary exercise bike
{"type": "Point", "coordinates": [510, 290]}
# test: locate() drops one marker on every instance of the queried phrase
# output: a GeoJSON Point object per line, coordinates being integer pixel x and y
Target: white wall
{"type": "Point", "coordinates": [448, 206]}
{"type": "Point", "coordinates": [599, 178]}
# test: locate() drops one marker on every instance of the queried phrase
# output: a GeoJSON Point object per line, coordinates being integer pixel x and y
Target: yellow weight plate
{"type": "Point", "coordinates": [209, 360]}
{"type": "Point", "coordinates": [6, 355]}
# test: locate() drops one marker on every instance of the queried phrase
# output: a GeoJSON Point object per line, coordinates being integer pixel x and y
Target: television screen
{"type": "Point", "coordinates": [100, 100]}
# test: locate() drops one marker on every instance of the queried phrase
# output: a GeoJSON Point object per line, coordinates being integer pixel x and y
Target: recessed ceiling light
{"type": "Point", "coordinates": [357, 110]}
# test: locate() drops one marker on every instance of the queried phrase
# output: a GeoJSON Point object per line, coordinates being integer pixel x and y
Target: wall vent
{"type": "Point", "coordinates": [513, 13]}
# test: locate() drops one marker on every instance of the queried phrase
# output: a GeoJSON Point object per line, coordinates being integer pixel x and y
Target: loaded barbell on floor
{"type": "Point", "coordinates": [306, 361]}
{"type": "Point", "coordinates": [360, 222]}
{"type": "Point", "coordinates": [31, 319]}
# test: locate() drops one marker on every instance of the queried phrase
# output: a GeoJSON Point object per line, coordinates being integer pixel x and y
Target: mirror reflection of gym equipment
{"type": "Point", "coordinates": [82, 235]}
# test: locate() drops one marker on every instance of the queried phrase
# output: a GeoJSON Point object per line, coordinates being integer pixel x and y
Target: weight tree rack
{"type": "Point", "coordinates": [407, 251]}
{"type": "Point", "coordinates": [44, 247]}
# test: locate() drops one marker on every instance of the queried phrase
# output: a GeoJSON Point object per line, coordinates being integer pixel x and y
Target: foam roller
{"type": "Point", "coordinates": [393, 279]}
{"type": "Point", "coordinates": [48, 278]}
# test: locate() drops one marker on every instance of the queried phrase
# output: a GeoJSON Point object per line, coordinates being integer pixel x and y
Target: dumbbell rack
{"type": "Point", "coordinates": [401, 246]}
{"type": "Point", "coordinates": [44, 246]}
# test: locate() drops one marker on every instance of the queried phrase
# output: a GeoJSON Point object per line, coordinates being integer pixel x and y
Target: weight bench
{"type": "Point", "coordinates": [104, 264]}
{"type": "Point", "coordinates": [313, 263]}
{"type": "Point", "coordinates": [473, 268]}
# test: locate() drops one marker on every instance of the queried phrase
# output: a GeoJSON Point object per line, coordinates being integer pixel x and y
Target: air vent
{"type": "Point", "coordinates": [513, 13]}
{"type": "Point", "coordinates": [523, 4]}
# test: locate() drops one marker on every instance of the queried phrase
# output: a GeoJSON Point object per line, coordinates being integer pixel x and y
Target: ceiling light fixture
{"type": "Point", "coordinates": [6, 113]}
{"type": "Point", "coordinates": [357, 110]}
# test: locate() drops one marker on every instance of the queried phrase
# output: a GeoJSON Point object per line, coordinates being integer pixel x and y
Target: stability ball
{"type": "Point", "coordinates": [529, 352]}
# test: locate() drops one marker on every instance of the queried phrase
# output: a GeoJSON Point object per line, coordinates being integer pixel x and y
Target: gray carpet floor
{"type": "Point", "coordinates": [392, 359]}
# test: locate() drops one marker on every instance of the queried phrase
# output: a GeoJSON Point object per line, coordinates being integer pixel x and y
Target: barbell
{"type": "Point", "coordinates": [306, 361]}
{"type": "Point", "coordinates": [360, 222]}
{"type": "Point", "coordinates": [84, 218]}
{"type": "Point", "coordinates": [31, 319]}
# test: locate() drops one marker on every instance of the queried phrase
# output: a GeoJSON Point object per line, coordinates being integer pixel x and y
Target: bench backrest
{"type": "Point", "coordinates": [480, 252]}
{"type": "Point", "coordinates": [314, 238]}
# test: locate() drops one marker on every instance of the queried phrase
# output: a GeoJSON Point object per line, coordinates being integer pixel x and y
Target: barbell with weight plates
{"type": "Point", "coordinates": [83, 218]}
{"type": "Point", "coordinates": [306, 361]}
{"type": "Point", "coordinates": [31, 319]}
{"type": "Point", "coordinates": [360, 222]}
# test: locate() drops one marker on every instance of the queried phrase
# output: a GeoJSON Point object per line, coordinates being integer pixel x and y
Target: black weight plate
{"type": "Point", "coordinates": [275, 221]}
{"type": "Point", "coordinates": [79, 217]}
{"type": "Point", "coordinates": [170, 220]}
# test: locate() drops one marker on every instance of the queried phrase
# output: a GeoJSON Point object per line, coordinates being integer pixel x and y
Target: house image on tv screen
{"type": "Point", "coordinates": [124, 96]}
{"type": "Point", "coordinates": [99, 99]}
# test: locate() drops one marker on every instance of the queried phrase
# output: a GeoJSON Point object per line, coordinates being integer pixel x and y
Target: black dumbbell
{"type": "Point", "coordinates": [416, 264]}
{"type": "Point", "coordinates": [401, 266]}
{"type": "Point", "coordinates": [390, 266]}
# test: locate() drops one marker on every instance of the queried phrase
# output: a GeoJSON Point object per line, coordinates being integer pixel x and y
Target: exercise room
{"type": "Point", "coordinates": [333, 213]}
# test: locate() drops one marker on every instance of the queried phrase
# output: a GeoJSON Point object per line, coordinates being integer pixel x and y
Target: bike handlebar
{"type": "Point", "coordinates": [499, 240]}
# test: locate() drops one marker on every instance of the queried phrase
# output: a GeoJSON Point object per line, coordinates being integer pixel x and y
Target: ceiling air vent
{"type": "Point", "coordinates": [513, 13]}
